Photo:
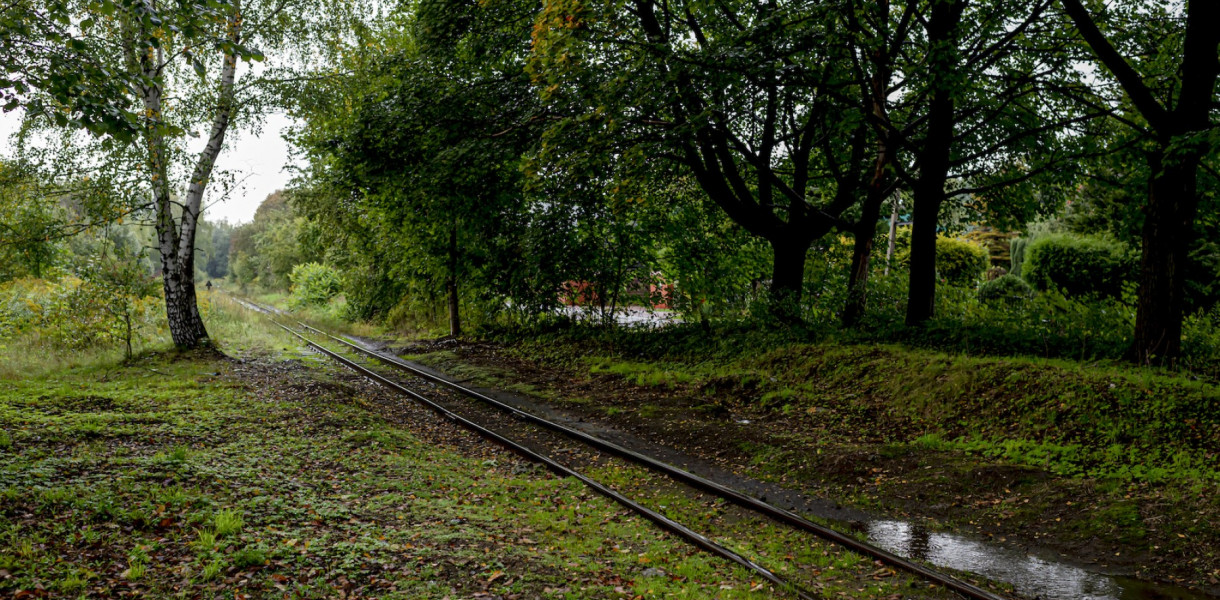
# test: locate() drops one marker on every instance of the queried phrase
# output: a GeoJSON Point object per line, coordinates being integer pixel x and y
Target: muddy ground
{"type": "Point", "coordinates": [858, 453]}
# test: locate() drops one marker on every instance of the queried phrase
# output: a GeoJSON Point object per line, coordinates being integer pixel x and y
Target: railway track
{"type": "Point", "coordinates": [496, 419]}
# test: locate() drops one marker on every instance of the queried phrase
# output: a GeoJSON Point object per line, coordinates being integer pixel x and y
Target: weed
{"type": "Point", "coordinates": [74, 582]}
{"type": "Point", "coordinates": [89, 429]}
{"type": "Point", "coordinates": [650, 411]}
{"type": "Point", "coordinates": [642, 373]}
{"type": "Point", "coordinates": [211, 570]}
{"type": "Point", "coordinates": [173, 496]}
{"type": "Point", "coordinates": [931, 441]}
{"type": "Point", "coordinates": [206, 541]}
{"type": "Point", "coordinates": [784, 397]}
{"type": "Point", "coordinates": [249, 557]}
{"type": "Point", "coordinates": [139, 554]}
{"type": "Point", "coordinates": [25, 549]}
{"type": "Point", "coordinates": [6, 440]}
{"type": "Point", "coordinates": [138, 518]}
{"type": "Point", "coordinates": [227, 523]}
{"type": "Point", "coordinates": [88, 536]}
{"type": "Point", "coordinates": [135, 571]}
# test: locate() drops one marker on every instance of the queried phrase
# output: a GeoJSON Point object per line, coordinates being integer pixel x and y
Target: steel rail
{"type": "Point", "coordinates": [661, 520]}
{"type": "Point", "coordinates": [738, 497]}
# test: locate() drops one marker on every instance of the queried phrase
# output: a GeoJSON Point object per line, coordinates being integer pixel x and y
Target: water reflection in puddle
{"type": "Point", "coordinates": [1032, 576]}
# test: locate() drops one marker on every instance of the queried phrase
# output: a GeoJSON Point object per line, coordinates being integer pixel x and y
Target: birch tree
{"type": "Point", "coordinates": [193, 78]}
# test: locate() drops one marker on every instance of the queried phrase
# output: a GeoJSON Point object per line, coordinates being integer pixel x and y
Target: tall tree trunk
{"type": "Point", "coordinates": [176, 239]}
{"type": "Point", "coordinates": [455, 319]}
{"type": "Point", "coordinates": [929, 189]}
{"type": "Point", "coordinates": [1167, 237]}
{"type": "Point", "coordinates": [1173, 202]}
{"type": "Point", "coordinates": [185, 325]}
{"type": "Point", "coordinates": [861, 259]}
{"type": "Point", "coordinates": [921, 289]}
{"type": "Point", "coordinates": [788, 277]}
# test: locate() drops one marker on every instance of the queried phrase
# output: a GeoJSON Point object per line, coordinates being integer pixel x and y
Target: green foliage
{"type": "Point", "coordinates": [960, 262]}
{"type": "Point", "coordinates": [264, 251]}
{"type": "Point", "coordinates": [212, 250]}
{"type": "Point", "coordinates": [1016, 250]}
{"type": "Point", "coordinates": [30, 225]}
{"type": "Point", "coordinates": [249, 557]}
{"type": "Point", "coordinates": [998, 244]}
{"type": "Point", "coordinates": [118, 285]}
{"type": "Point", "coordinates": [59, 72]}
{"type": "Point", "coordinates": [313, 284]}
{"type": "Point", "coordinates": [72, 313]}
{"type": "Point", "coordinates": [712, 262]}
{"type": "Point", "coordinates": [1005, 288]}
{"type": "Point", "coordinates": [1078, 265]}
{"type": "Point", "coordinates": [211, 570]}
{"type": "Point", "coordinates": [227, 523]}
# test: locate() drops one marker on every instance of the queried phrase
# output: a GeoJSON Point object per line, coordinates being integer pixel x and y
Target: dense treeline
{"type": "Point", "coordinates": [495, 160]}
{"type": "Point", "coordinates": [500, 156]}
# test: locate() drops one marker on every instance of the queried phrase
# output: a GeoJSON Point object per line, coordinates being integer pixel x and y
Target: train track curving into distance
{"type": "Point", "coordinates": [740, 498]}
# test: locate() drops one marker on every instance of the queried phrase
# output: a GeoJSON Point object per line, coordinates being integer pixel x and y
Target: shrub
{"type": "Point", "coordinates": [1016, 251]}
{"type": "Point", "coordinates": [960, 262]}
{"type": "Point", "coordinates": [313, 284]}
{"type": "Point", "coordinates": [1005, 287]}
{"type": "Point", "coordinates": [1078, 265]}
{"type": "Point", "coordinates": [72, 313]}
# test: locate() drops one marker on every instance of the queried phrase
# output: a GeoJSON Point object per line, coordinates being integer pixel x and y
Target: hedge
{"type": "Point", "coordinates": [1078, 265]}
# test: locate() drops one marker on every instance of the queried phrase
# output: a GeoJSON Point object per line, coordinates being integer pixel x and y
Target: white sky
{"type": "Point", "coordinates": [258, 161]}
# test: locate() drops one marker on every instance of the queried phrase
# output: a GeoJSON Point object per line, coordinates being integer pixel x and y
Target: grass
{"type": "Point", "coordinates": [226, 523]}
{"type": "Point", "coordinates": [1076, 420]}
{"type": "Point", "coordinates": [1098, 453]}
{"type": "Point", "coordinates": [197, 475]}
{"type": "Point", "coordinates": [822, 568]}
{"type": "Point", "coordinates": [642, 373]}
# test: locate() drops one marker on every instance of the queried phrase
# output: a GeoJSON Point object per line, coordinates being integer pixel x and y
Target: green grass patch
{"type": "Point", "coordinates": [191, 473]}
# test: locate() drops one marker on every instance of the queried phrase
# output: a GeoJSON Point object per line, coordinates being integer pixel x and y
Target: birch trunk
{"type": "Point", "coordinates": [176, 234]}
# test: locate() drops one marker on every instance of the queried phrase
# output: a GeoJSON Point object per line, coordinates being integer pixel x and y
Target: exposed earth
{"type": "Point", "coordinates": [856, 452]}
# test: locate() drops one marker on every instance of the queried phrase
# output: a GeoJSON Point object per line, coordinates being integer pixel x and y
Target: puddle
{"type": "Point", "coordinates": [1032, 576]}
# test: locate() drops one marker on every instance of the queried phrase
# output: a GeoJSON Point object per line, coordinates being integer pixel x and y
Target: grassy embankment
{"type": "Point", "coordinates": [1119, 465]}
{"type": "Point", "coordinates": [196, 475]}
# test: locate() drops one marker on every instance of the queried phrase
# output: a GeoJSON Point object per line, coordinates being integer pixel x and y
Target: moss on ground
{"type": "Point", "coordinates": [199, 475]}
{"type": "Point", "coordinates": [1099, 459]}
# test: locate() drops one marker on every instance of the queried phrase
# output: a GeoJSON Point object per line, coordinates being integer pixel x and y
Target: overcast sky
{"type": "Point", "coordinates": [258, 161]}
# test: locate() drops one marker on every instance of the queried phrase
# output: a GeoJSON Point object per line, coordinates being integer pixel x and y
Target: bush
{"type": "Point", "coordinates": [960, 262]}
{"type": "Point", "coordinates": [1078, 265]}
{"type": "Point", "coordinates": [313, 284]}
{"type": "Point", "coordinates": [1016, 251]}
{"type": "Point", "coordinates": [1005, 287]}
{"type": "Point", "coordinates": [71, 313]}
